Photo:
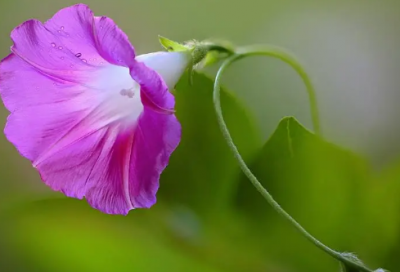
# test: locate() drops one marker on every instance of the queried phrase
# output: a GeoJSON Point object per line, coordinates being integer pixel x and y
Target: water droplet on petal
{"type": "Point", "coordinates": [60, 47]}
{"type": "Point", "coordinates": [62, 28]}
{"type": "Point", "coordinates": [78, 55]}
{"type": "Point", "coordinates": [85, 61]}
{"type": "Point", "coordinates": [53, 44]}
{"type": "Point", "coordinates": [62, 58]}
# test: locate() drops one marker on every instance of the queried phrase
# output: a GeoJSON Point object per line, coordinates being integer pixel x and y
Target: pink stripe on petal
{"type": "Point", "coordinates": [116, 168]}
{"type": "Point", "coordinates": [94, 169]}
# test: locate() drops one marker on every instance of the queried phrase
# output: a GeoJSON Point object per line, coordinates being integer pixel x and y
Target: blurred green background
{"type": "Point", "coordinates": [208, 217]}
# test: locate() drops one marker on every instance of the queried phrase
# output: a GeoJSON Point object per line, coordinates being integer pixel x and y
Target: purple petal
{"type": "Point", "coordinates": [21, 85]}
{"type": "Point", "coordinates": [72, 44]}
{"type": "Point", "coordinates": [112, 43]}
{"type": "Point", "coordinates": [156, 137]}
{"type": "Point", "coordinates": [57, 84]}
{"type": "Point", "coordinates": [43, 110]}
{"type": "Point", "coordinates": [153, 86]}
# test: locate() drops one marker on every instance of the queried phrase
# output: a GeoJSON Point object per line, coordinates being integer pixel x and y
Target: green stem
{"type": "Point", "coordinates": [286, 57]}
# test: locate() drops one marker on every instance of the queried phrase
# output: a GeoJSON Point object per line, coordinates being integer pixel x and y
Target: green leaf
{"type": "Point", "coordinates": [202, 171]}
{"type": "Point", "coordinates": [325, 188]}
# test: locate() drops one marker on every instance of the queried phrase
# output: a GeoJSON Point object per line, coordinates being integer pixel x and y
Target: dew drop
{"type": "Point", "coordinates": [53, 44]}
{"type": "Point", "coordinates": [85, 61]}
{"type": "Point", "coordinates": [78, 55]}
{"type": "Point", "coordinates": [60, 47]}
{"type": "Point", "coordinates": [62, 28]}
{"type": "Point", "coordinates": [59, 31]}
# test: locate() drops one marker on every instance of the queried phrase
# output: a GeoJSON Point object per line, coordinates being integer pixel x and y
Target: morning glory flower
{"type": "Point", "coordinates": [94, 119]}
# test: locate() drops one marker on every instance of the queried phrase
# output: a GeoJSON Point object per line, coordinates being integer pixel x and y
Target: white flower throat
{"type": "Point", "coordinates": [120, 94]}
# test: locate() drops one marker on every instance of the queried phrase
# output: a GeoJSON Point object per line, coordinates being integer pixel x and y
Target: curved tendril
{"type": "Point", "coordinates": [289, 59]}
{"type": "Point", "coordinates": [276, 52]}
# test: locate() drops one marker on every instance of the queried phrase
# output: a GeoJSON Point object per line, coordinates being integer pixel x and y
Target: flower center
{"type": "Point", "coordinates": [119, 94]}
{"type": "Point", "coordinates": [129, 93]}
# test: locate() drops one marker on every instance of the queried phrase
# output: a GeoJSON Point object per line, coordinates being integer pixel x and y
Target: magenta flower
{"type": "Point", "coordinates": [95, 119]}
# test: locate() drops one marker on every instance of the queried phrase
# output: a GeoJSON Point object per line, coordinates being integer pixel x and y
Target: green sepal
{"type": "Point", "coordinates": [172, 46]}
